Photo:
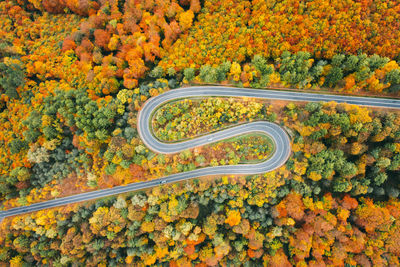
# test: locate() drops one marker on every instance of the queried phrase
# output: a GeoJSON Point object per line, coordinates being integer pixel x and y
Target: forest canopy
{"type": "Point", "coordinates": [75, 74]}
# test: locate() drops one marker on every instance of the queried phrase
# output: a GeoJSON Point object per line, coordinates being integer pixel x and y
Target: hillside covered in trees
{"type": "Point", "coordinates": [75, 74]}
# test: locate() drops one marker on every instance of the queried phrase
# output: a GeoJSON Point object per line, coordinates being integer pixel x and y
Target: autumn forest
{"type": "Point", "coordinates": [74, 75]}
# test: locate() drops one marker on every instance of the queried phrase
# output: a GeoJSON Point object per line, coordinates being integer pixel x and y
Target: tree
{"type": "Point", "coordinates": [189, 74]}
{"type": "Point", "coordinates": [208, 74]}
{"type": "Point", "coordinates": [372, 217]}
{"type": "Point", "coordinates": [261, 64]}
{"type": "Point", "coordinates": [12, 76]}
{"type": "Point", "coordinates": [186, 20]}
{"type": "Point", "coordinates": [294, 68]}
{"type": "Point", "coordinates": [157, 72]}
{"type": "Point", "coordinates": [376, 62]}
{"type": "Point", "coordinates": [393, 77]}
{"type": "Point", "coordinates": [16, 145]}
{"type": "Point", "coordinates": [233, 217]}
{"type": "Point", "coordinates": [195, 5]}
{"type": "Point", "coordinates": [102, 38]}
{"type": "Point", "coordinates": [334, 76]}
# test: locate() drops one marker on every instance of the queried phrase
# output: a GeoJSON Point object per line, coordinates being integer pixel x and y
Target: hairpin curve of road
{"type": "Point", "coordinates": [278, 135]}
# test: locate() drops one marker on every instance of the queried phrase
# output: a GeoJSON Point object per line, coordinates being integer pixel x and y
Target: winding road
{"type": "Point", "coordinates": [276, 133]}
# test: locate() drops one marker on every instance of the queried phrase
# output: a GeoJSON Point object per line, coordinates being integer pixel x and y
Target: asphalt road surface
{"type": "Point", "coordinates": [275, 132]}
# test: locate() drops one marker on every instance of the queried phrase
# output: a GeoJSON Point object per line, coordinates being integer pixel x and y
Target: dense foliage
{"type": "Point", "coordinates": [236, 29]}
{"type": "Point", "coordinates": [302, 43]}
{"type": "Point", "coordinates": [223, 222]}
{"type": "Point", "coordinates": [74, 74]}
{"type": "Point", "coordinates": [344, 148]}
{"type": "Point", "coordinates": [199, 116]}
{"type": "Point", "coordinates": [122, 39]}
{"type": "Point", "coordinates": [307, 212]}
{"type": "Point", "coordinates": [343, 73]}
